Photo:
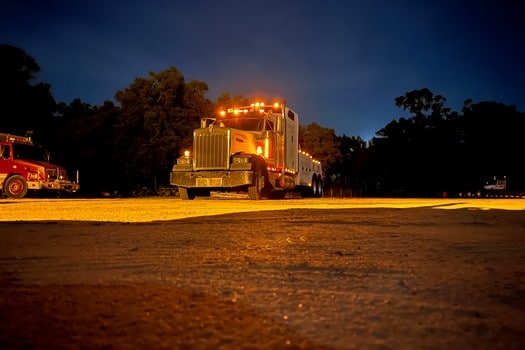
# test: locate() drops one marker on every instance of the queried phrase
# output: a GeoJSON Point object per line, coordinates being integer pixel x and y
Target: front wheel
{"type": "Point", "coordinates": [16, 187]}
{"type": "Point", "coordinates": [254, 190]}
{"type": "Point", "coordinates": [259, 187]}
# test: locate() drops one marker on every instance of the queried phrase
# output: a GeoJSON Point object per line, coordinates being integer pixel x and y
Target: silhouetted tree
{"type": "Point", "coordinates": [349, 171]}
{"type": "Point", "coordinates": [414, 150]}
{"type": "Point", "coordinates": [158, 116]}
{"type": "Point", "coordinates": [321, 143]}
{"type": "Point", "coordinates": [24, 104]}
{"type": "Point", "coordinates": [493, 142]}
{"type": "Point", "coordinates": [225, 101]}
{"type": "Point", "coordinates": [437, 150]}
{"type": "Point", "coordinates": [85, 141]}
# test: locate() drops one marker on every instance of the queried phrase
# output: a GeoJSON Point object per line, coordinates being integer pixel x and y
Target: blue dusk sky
{"type": "Point", "coordinates": [340, 64]}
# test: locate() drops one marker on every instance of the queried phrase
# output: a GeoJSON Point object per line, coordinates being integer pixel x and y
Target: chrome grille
{"type": "Point", "coordinates": [211, 148]}
{"type": "Point", "coordinates": [56, 174]}
{"type": "Point", "coordinates": [52, 174]}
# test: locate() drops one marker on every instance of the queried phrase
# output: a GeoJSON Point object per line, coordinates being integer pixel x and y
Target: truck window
{"type": "Point", "coordinates": [29, 152]}
{"type": "Point", "coordinates": [4, 152]}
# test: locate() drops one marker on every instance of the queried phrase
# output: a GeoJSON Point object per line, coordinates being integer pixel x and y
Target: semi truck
{"type": "Point", "coordinates": [24, 168]}
{"type": "Point", "coordinates": [253, 149]}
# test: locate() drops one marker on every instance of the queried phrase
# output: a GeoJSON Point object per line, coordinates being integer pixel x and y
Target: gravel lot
{"type": "Point", "coordinates": [232, 273]}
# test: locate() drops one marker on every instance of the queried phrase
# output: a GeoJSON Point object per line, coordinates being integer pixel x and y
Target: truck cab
{"type": "Point", "coordinates": [23, 167]}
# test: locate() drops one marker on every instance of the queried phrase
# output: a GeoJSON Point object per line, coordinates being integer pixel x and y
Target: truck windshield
{"type": "Point", "coordinates": [248, 124]}
{"type": "Point", "coordinates": [29, 152]}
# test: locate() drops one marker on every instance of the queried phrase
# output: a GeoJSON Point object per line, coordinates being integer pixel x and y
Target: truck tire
{"type": "Point", "coordinates": [260, 184]}
{"type": "Point", "coordinates": [317, 187]}
{"type": "Point", "coordinates": [16, 187]}
{"type": "Point", "coordinates": [186, 193]}
{"type": "Point", "coordinates": [258, 188]}
{"type": "Point", "coordinates": [254, 191]}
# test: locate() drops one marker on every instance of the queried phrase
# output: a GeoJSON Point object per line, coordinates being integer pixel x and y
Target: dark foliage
{"type": "Point", "coordinates": [26, 105]}
{"type": "Point", "coordinates": [435, 150]}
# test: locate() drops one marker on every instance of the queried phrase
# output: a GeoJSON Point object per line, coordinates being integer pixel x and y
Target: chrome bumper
{"type": "Point", "coordinates": [54, 185]}
{"type": "Point", "coordinates": [211, 179]}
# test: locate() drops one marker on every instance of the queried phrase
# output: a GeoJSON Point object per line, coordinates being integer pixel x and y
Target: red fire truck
{"type": "Point", "coordinates": [253, 149]}
{"type": "Point", "coordinates": [23, 167]}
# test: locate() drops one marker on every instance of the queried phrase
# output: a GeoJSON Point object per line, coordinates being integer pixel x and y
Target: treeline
{"type": "Point", "coordinates": [130, 146]}
{"type": "Point", "coordinates": [435, 150]}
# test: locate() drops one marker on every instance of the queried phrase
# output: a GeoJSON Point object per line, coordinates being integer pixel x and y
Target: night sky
{"type": "Point", "coordinates": [340, 64]}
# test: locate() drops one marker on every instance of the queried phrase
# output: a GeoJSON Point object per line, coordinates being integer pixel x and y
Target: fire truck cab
{"type": "Point", "coordinates": [253, 149]}
{"type": "Point", "coordinates": [23, 168]}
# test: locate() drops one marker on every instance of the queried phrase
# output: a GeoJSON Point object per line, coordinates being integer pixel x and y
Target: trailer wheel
{"type": "Point", "coordinates": [186, 193]}
{"type": "Point", "coordinates": [16, 187]}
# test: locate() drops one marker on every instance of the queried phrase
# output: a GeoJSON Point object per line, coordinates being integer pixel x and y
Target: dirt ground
{"type": "Point", "coordinates": [290, 274]}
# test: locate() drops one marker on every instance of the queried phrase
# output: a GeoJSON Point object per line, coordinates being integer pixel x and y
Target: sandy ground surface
{"type": "Point", "coordinates": [228, 273]}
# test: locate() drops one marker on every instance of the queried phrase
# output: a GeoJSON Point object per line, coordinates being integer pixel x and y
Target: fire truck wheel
{"type": "Point", "coordinates": [186, 193]}
{"type": "Point", "coordinates": [16, 187]}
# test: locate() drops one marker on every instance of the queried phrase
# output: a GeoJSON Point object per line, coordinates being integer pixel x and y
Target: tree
{"type": "Point", "coordinates": [414, 151]}
{"type": "Point", "coordinates": [225, 101]}
{"type": "Point", "coordinates": [24, 106]}
{"type": "Point", "coordinates": [423, 103]}
{"type": "Point", "coordinates": [493, 142]}
{"type": "Point", "coordinates": [84, 141]}
{"type": "Point", "coordinates": [349, 170]}
{"type": "Point", "coordinates": [321, 143]}
{"type": "Point", "coordinates": [158, 116]}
